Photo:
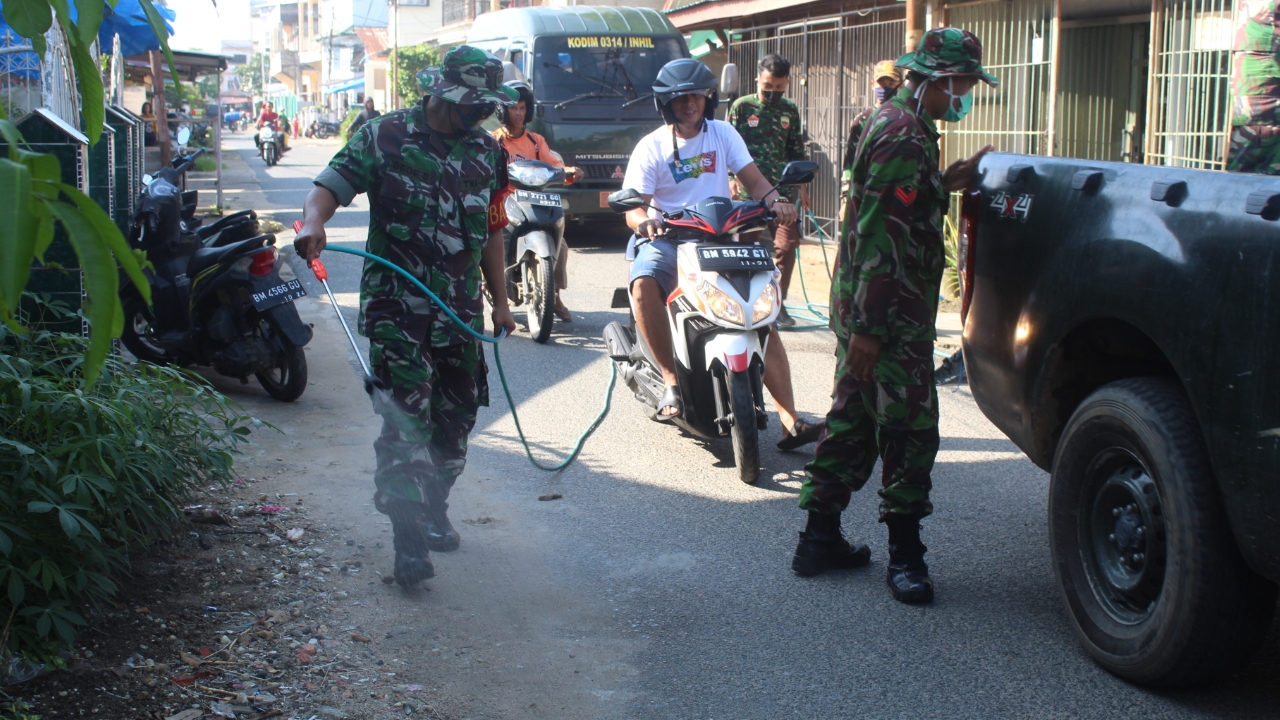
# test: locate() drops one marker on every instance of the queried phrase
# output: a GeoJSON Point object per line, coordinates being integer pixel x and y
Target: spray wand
{"type": "Point", "coordinates": [317, 267]}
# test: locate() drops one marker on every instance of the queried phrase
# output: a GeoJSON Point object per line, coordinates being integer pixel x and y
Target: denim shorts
{"type": "Point", "coordinates": [656, 259]}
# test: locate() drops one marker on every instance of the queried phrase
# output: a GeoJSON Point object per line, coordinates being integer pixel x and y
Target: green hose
{"type": "Point", "coordinates": [497, 357]}
{"type": "Point", "coordinates": [811, 313]}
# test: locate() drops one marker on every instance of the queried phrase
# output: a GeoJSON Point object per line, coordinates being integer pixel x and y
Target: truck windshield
{"type": "Point", "coordinates": [599, 68]}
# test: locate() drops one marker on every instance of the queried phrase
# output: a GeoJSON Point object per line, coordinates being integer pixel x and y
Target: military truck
{"type": "Point", "coordinates": [1120, 327]}
{"type": "Point", "coordinates": [592, 71]}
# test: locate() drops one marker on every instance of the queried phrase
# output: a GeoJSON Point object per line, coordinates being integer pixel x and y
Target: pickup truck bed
{"type": "Point", "coordinates": [1121, 319]}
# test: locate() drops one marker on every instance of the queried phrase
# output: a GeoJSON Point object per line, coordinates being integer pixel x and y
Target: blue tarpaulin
{"type": "Point", "coordinates": [128, 21]}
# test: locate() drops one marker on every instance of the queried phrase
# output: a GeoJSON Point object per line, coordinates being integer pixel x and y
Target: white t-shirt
{"type": "Point", "coordinates": [703, 172]}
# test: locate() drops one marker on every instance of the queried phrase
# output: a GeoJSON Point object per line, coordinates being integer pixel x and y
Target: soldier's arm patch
{"type": "Point", "coordinates": [906, 195]}
{"type": "Point", "coordinates": [498, 209]}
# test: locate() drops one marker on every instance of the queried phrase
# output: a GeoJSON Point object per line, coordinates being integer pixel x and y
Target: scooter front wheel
{"type": "Point", "coordinates": [541, 303]}
{"type": "Point", "coordinates": [138, 323]}
{"type": "Point", "coordinates": [745, 433]}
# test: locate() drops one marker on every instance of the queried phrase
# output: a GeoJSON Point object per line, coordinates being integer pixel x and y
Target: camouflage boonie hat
{"type": "Point", "coordinates": [467, 76]}
{"type": "Point", "coordinates": [948, 52]}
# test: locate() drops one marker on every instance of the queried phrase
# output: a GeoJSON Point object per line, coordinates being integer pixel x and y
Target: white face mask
{"type": "Point", "coordinates": [957, 105]}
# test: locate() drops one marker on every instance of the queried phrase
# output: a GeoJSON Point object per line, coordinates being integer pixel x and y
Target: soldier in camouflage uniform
{"type": "Point", "coordinates": [886, 82]}
{"type": "Point", "coordinates": [769, 124]}
{"type": "Point", "coordinates": [436, 183]}
{"type": "Point", "coordinates": [884, 302]}
{"type": "Point", "coordinates": [1255, 87]}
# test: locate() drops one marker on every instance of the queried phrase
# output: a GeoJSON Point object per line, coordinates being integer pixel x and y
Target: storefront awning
{"type": "Point", "coordinates": [356, 83]}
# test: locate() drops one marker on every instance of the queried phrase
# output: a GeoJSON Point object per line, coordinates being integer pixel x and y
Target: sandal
{"type": "Point", "coordinates": [562, 312]}
{"type": "Point", "coordinates": [670, 399]}
{"type": "Point", "coordinates": [805, 433]}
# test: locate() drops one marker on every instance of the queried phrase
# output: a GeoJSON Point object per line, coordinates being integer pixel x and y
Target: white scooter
{"type": "Point", "coordinates": [720, 315]}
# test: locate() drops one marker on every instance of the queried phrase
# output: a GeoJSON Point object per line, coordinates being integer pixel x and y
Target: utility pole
{"type": "Point", "coordinates": [158, 67]}
{"type": "Point", "coordinates": [915, 24]}
{"type": "Point", "coordinates": [395, 54]}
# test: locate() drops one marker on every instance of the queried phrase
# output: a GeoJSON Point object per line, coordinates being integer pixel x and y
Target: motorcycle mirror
{"type": "Point", "coordinates": [625, 200]}
{"type": "Point", "coordinates": [729, 80]}
{"type": "Point", "coordinates": [184, 135]}
{"type": "Point", "coordinates": [798, 172]}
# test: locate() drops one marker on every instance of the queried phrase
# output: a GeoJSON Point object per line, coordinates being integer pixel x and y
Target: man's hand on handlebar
{"type": "Point", "coordinates": [651, 228]}
{"type": "Point", "coordinates": [785, 211]}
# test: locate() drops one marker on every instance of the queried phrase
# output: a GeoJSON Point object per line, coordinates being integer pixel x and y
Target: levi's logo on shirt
{"type": "Point", "coordinates": [696, 166]}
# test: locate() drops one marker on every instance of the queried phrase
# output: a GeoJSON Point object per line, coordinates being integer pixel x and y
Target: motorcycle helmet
{"type": "Point", "coordinates": [526, 96]}
{"type": "Point", "coordinates": [685, 76]}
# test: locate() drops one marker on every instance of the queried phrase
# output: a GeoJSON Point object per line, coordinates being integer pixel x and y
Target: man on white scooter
{"type": "Point", "coordinates": [685, 161]}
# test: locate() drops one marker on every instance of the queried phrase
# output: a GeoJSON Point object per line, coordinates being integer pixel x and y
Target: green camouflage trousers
{"type": "Point", "coordinates": [894, 418]}
{"type": "Point", "coordinates": [427, 413]}
{"type": "Point", "coordinates": [1254, 149]}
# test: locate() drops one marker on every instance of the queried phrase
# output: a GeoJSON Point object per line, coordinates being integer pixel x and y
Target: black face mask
{"type": "Point", "coordinates": [771, 96]}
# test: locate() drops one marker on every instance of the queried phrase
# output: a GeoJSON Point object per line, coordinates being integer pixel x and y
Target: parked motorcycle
{"type": "Point", "coordinates": [321, 129]}
{"type": "Point", "coordinates": [720, 315]}
{"type": "Point", "coordinates": [532, 240]}
{"type": "Point", "coordinates": [228, 304]}
{"type": "Point", "coordinates": [270, 143]}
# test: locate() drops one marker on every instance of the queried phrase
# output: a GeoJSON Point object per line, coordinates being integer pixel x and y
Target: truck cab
{"type": "Point", "coordinates": [592, 72]}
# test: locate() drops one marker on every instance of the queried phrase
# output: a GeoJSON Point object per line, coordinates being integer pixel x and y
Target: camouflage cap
{"type": "Point", "coordinates": [948, 52]}
{"type": "Point", "coordinates": [887, 69]}
{"type": "Point", "coordinates": [467, 76]}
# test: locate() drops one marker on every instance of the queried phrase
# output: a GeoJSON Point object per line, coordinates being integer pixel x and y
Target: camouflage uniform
{"type": "Point", "coordinates": [1255, 87]}
{"type": "Point", "coordinates": [772, 132]}
{"type": "Point", "coordinates": [888, 271]}
{"type": "Point", "coordinates": [433, 201]}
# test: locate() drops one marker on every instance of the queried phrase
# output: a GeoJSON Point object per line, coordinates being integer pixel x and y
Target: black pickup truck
{"type": "Point", "coordinates": [1121, 326]}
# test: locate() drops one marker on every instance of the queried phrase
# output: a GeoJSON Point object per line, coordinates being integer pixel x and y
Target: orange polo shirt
{"type": "Point", "coordinates": [529, 146]}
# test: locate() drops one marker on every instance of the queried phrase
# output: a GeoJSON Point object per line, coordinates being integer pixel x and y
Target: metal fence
{"type": "Point", "coordinates": [1016, 49]}
{"type": "Point", "coordinates": [1102, 92]}
{"type": "Point", "coordinates": [1189, 93]}
{"type": "Point", "coordinates": [832, 63]}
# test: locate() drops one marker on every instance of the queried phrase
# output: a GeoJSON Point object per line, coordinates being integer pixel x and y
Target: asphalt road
{"type": "Point", "coordinates": [665, 552]}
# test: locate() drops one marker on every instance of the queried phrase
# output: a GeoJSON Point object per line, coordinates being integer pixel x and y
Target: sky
{"type": "Point", "coordinates": [202, 27]}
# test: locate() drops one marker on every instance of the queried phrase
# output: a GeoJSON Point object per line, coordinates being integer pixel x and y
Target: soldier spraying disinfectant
{"type": "Point", "coordinates": [436, 185]}
{"type": "Point", "coordinates": [884, 302]}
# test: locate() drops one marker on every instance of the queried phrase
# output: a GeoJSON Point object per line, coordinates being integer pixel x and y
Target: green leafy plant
{"type": "Point", "coordinates": [409, 61]}
{"type": "Point", "coordinates": [250, 74]}
{"type": "Point", "coordinates": [32, 198]}
{"type": "Point", "coordinates": [346, 122]}
{"type": "Point", "coordinates": [93, 474]}
{"type": "Point", "coordinates": [951, 274]}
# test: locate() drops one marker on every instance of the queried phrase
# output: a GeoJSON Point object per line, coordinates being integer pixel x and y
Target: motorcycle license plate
{"type": "Point", "coordinates": [286, 291]}
{"type": "Point", "coordinates": [537, 198]}
{"type": "Point", "coordinates": [719, 258]}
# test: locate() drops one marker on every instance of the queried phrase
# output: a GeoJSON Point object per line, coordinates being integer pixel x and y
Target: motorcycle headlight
{"type": "Point", "coordinates": [764, 304]}
{"type": "Point", "coordinates": [531, 175]}
{"type": "Point", "coordinates": [720, 304]}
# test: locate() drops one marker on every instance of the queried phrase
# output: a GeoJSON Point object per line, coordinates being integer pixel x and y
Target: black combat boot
{"type": "Point", "coordinates": [441, 536]}
{"type": "Point", "coordinates": [413, 561]}
{"type": "Point", "coordinates": [908, 574]}
{"type": "Point", "coordinates": [822, 547]}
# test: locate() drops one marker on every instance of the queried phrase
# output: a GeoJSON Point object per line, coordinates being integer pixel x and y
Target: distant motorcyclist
{"type": "Point", "coordinates": [269, 116]}
{"type": "Point", "coordinates": [687, 160]}
{"type": "Point", "coordinates": [524, 144]}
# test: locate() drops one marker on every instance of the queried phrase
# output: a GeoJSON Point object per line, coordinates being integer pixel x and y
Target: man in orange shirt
{"type": "Point", "coordinates": [524, 144]}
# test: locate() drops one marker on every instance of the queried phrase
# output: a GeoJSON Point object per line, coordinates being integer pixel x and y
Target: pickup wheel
{"type": "Point", "coordinates": [1144, 558]}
